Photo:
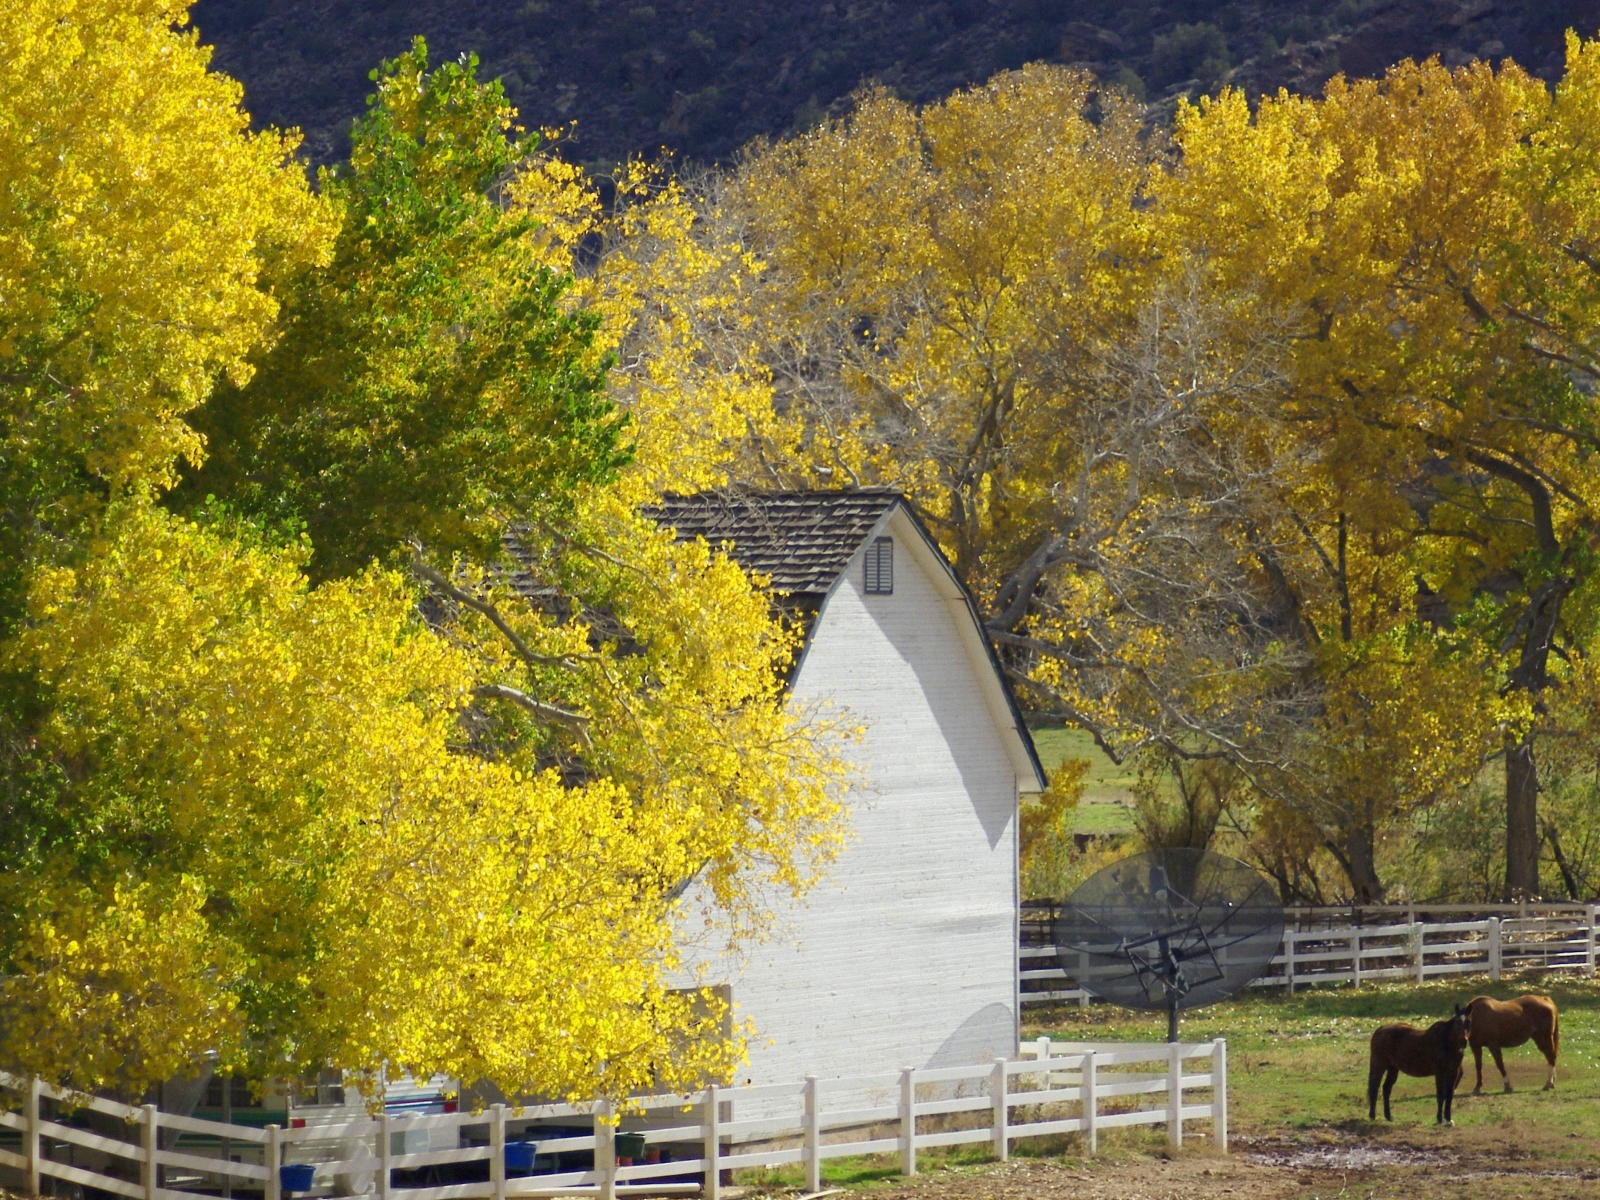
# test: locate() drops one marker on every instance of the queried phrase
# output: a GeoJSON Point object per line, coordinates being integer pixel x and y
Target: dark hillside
{"type": "Point", "coordinates": [703, 77]}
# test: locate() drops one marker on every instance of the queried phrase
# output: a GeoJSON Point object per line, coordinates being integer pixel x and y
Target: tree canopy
{"type": "Point", "coordinates": [430, 384]}
{"type": "Point", "coordinates": [389, 736]}
{"type": "Point", "coordinates": [143, 229]}
{"type": "Point", "coordinates": [1436, 285]}
{"type": "Point", "coordinates": [1261, 436]}
{"type": "Point", "coordinates": [352, 712]}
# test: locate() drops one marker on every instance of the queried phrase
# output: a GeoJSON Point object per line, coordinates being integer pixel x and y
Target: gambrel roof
{"type": "Point", "coordinates": [802, 541]}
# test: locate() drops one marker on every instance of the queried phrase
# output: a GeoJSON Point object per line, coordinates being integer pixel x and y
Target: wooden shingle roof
{"type": "Point", "coordinates": [801, 540]}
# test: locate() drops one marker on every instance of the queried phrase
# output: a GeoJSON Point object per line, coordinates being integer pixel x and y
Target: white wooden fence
{"type": "Point", "coordinates": [1515, 939]}
{"type": "Point", "coordinates": [51, 1140]}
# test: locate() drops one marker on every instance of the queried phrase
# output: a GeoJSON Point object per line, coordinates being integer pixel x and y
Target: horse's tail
{"type": "Point", "coordinates": [1555, 1033]}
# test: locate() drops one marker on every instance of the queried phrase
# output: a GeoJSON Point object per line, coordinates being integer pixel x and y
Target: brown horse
{"type": "Point", "coordinates": [1501, 1024]}
{"type": "Point", "coordinates": [1435, 1051]}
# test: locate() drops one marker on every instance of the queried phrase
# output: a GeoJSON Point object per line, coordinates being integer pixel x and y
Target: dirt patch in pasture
{"type": "Point", "coordinates": [1332, 1163]}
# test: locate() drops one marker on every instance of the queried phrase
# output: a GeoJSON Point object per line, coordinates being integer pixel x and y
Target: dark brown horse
{"type": "Point", "coordinates": [1435, 1051]}
{"type": "Point", "coordinates": [1501, 1024]}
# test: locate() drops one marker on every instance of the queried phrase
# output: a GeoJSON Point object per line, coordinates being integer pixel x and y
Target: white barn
{"type": "Point", "coordinates": [905, 954]}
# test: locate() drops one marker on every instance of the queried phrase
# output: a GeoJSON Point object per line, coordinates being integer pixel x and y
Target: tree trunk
{"type": "Point", "coordinates": [1522, 776]}
{"type": "Point", "coordinates": [1360, 863]}
{"type": "Point", "coordinates": [1570, 875]}
{"type": "Point", "coordinates": [1522, 821]}
{"type": "Point", "coordinates": [1535, 634]}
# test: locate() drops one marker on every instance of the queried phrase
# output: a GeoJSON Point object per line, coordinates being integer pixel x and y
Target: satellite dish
{"type": "Point", "coordinates": [1169, 929]}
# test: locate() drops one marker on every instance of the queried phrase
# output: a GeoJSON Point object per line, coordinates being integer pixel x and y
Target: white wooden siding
{"type": "Point", "coordinates": [905, 955]}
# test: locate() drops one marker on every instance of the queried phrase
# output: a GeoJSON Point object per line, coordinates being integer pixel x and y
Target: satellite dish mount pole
{"type": "Point", "coordinates": [1171, 972]}
{"type": "Point", "coordinates": [1172, 992]}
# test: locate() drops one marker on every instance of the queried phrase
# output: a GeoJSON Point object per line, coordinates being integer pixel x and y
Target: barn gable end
{"type": "Point", "coordinates": [905, 954]}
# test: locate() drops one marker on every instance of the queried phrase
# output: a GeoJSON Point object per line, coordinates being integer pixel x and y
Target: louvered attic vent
{"type": "Point", "coordinates": [880, 567]}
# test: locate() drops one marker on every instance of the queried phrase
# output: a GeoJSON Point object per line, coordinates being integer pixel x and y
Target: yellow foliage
{"type": "Point", "coordinates": [924, 270]}
{"type": "Point", "coordinates": [1217, 429]}
{"type": "Point", "coordinates": [141, 227]}
{"type": "Point", "coordinates": [665, 285]}
{"type": "Point", "coordinates": [274, 768]}
{"type": "Point", "coordinates": [298, 825]}
{"type": "Point", "coordinates": [1046, 846]}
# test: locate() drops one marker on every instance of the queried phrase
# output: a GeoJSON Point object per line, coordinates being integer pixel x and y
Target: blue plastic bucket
{"type": "Point", "coordinates": [296, 1177]}
{"type": "Point", "coordinates": [520, 1156]}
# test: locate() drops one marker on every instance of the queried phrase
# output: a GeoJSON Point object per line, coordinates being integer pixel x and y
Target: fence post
{"type": "Point", "coordinates": [497, 1152]}
{"type": "Point", "coordinates": [1588, 954]}
{"type": "Point", "coordinates": [1002, 1111]}
{"type": "Point", "coordinates": [1416, 932]}
{"type": "Point", "coordinates": [713, 1186]}
{"type": "Point", "coordinates": [1494, 948]}
{"type": "Point", "coordinates": [605, 1150]}
{"type": "Point", "coordinates": [1355, 958]}
{"type": "Point", "coordinates": [908, 1121]}
{"type": "Point", "coordinates": [813, 1147]}
{"type": "Point", "coordinates": [1091, 1134]}
{"type": "Point", "coordinates": [274, 1157]}
{"type": "Point", "coordinates": [152, 1142]}
{"type": "Point", "coordinates": [1219, 1092]}
{"type": "Point", "coordinates": [1288, 957]}
{"type": "Point", "coordinates": [385, 1149]}
{"type": "Point", "coordinates": [31, 1113]}
{"type": "Point", "coordinates": [1175, 1095]}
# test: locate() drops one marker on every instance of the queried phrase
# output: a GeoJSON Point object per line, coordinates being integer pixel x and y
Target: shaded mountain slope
{"type": "Point", "coordinates": [703, 77]}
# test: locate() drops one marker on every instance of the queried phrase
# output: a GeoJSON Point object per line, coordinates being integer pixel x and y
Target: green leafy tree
{"type": "Point", "coordinates": [435, 382]}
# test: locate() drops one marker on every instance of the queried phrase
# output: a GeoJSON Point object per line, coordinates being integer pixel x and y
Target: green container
{"type": "Point", "coordinates": [630, 1147]}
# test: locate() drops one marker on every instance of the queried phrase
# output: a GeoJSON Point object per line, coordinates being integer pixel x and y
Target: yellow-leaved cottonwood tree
{"type": "Point", "coordinates": [1427, 242]}
{"type": "Point", "coordinates": [1263, 437]}
{"type": "Point", "coordinates": [299, 772]}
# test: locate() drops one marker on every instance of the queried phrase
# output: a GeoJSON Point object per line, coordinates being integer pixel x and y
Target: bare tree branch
{"type": "Point", "coordinates": [490, 613]}
{"type": "Point", "coordinates": [538, 708]}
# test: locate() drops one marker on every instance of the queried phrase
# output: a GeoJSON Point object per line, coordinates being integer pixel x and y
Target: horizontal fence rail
{"type": "Point", "coordinates": [1356, 946]}
{"type": "Point", "coordinates": [54, 1142]}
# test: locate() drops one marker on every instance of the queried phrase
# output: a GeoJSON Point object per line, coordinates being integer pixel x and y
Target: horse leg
{"type": "Point", "coordinates": [1547, 1044]}
{"type": "Point", "coordinates": [1388, 1086]}
{"type": "Point", "coordinates": [1500, 1063]}
{"type": "Point", "coordinates": [1443, 1092]}
{"type": "Point", "coordinates": [1374, 1078]}
{"type": "Point", "coordinates": [1477, 1061]}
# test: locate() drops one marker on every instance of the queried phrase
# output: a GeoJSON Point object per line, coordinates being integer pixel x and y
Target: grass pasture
{"type": "Point", "coordinates": [1300, 1062]}
{"type": "Point", "coordinates": [1297, 1075]}
{"type": "Point", "coordinates": [1297, 1071]}
{"type": "Point", "coordinates": [1108, 787]}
